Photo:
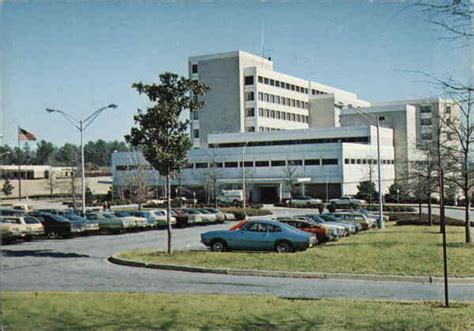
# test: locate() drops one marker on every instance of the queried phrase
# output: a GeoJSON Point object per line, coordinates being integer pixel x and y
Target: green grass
{"type": "Point", "coordinates": [132, 311]}
{"type": "Point", "coordinates": [396, 250]}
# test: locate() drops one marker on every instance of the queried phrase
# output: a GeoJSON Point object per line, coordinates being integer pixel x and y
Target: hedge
{"type": "Point", "coordinates": [239, 212]}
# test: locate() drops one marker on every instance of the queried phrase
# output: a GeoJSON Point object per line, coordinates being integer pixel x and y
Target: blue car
{"type": "Point", "coordinates": [259, 235]}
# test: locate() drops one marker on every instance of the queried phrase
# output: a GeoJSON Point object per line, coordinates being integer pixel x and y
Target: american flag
{"type": "Point", "coordinates": [25, 135]}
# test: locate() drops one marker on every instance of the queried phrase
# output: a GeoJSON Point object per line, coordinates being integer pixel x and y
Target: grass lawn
{"type": "Point", "coordinates": [119, 311]}
{"type": "Point", "coordinates": [401, 250]}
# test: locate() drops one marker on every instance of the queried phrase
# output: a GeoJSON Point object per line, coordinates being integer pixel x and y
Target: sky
{"type": "Point", "coordinates": [78, 56]}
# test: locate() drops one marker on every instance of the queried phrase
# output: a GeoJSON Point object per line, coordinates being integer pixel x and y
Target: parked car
{"type": "Point", "coordinates": [350, 227]}
{"type": "Point", "coordinates": [372, 215]}
{"type": "Point", "coordinates": [90, 226]}
{"type": "Point", "coordinates": [346, 201]}
{"type": "Point", "coordinates": [29, 226]}
{"type": "Point", "coordinates": [305, 201]}
{"type": "Point", "coordinates": [56, 226]}
{"type": "Point", "coordinates": [140, 222]}
{"type": "Point", "coordinates": [109, 223]}
{"type": "Point", "coordinates": [155, 217]}
{"type": "Point", "coordinates": [220, 216]}
{"type": "Point", "coordinates": [365, 222]}
{"type": "Point", "coordinates": [307, 226]}
{"type": "Point", "coordinates": [333, 232]}
{"type": "Point", "coordinates": [10, 231]}
{"type": "Point", "coordinates": [260, 235]}
{"type": "Point", "coordinates": [195, 216]}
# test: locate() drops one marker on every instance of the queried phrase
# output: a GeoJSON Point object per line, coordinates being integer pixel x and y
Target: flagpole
{"type": "Point", "coordinates": [19, 164]}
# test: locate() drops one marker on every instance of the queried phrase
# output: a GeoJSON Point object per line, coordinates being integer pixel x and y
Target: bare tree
{"type": "Point", "coordinates": [137, 179]}
{"type": "Point", "coordinates": [452, 17]}
{"type": "Point", "coordinates": [292, 171]}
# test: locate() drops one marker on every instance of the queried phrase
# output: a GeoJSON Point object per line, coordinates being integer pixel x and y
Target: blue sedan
{"type": "Point", "coordinates": [259, 235]}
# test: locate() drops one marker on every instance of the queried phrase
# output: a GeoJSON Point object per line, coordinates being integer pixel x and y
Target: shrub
{"type": "Point", "coordinates": [239, 212]}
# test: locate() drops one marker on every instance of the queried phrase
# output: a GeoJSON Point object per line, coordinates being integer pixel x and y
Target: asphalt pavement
{"type": "Point", "coordinates": [80, 264]}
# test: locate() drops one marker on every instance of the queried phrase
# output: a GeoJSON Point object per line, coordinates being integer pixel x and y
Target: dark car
{"type": "Point", "coordinates": [56, 226]}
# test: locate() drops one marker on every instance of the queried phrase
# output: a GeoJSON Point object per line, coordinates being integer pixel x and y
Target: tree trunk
{"type": "Point", "coordinates": [430, 207]}
{"type": "Point", "coordinates": [168, 210]}
{"type": "Point", "coordinates": [467, 219]}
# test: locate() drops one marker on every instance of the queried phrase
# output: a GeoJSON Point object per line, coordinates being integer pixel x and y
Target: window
{"type": "Point", "coordinates": [359, 161]}
{"type": "Point", "coordinates": [347, 161]}
{"type": "Point", "coordinates": [248, 80]}
{"type": "Point", "coordinates": [201, 165]}
{"type": "Point", "coordinates": [297, 88]}
{"type": "Point", "coordinates": [312, 162]}
{"type": "Point", "coordinates": [196, 133]}
{"type": "Point", "coordinates": [247, 164]}
{"type": "Point", "coordinates": [195, 115]}
{"type": "Point", "coordinates": [292, 117]}
{"type": "Point", "coordinates": [272, 114]}
{"type": "Point", "coordinates": [272, 98]}
{"type": "Point", "coordinates": [231, 164]}
{"type": "Point", "coordinates": [188, 166]}
{"type": "Point", "coordinates": [292, 87]}
{"type": "Point", "coordinates": [121, 168]}
{"type": "Point", "coordinates": [426, 121]}
{"type": "Point", "coordinates": [260, 96]}
{"type": "Point", "coordinates": [262, 163]}
{"type": "Point", "coordinates": [194, 68]}
{"type": "Point", "coordinates": [353, 161]}
{"type": "Point", "coordinates": [250, 129]}
{"type": "Point", "coordinates": [425, 109]}
{"type": "Point", "coordinates": [265, 80]}
{"type": "Point", "coordinates": [260, 79]}
{"type": "Point", "coordinates": [266, 97]}
{"type": "Point", "coordinates": [256, 227]}
{"type": "Point", "coordinates": [281, 163]}
{"type": "Point", "coordinates": [277, 99]}
{"type": "Point", "coordinates": [278, 115]}
{"type": "Point", "coordinates": [287, 86]}
{"type": "Point", "coordinates": [448, 109]}
{"type": "Point", "coordinates": [272, 82]}
{"type": "Point", "coordinates": [277, 83]}
{"type": "Point", "coordinates": [329, 161]}
{"type": "Point", "coordinates": [250, 112]}
{"type": "Point", "coordinates": [260, 111]}
{"type": "Point", "coordinates": [295, 162]}
{"type": "Point", "coordinates": [381, 118]}
{"type": "Point", "coordinates": [249, 96]}
{"type": "Point", "coordinates": [427, 136]}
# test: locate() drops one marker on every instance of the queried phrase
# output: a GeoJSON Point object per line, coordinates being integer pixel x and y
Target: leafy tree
{"type": "Point", "coordinates": [159, 133]}
{"type": "Point", "coordinates": [44, 152]}
{"type": "Point", "coordinates": [366, 190]}
{"type": "Point", "coordinates": [67, 155]}
{"type": "Point", "coordinates": [7, 188]}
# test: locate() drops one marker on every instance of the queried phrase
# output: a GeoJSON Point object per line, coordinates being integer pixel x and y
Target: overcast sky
{"type": "Point", "coordinates": [78, 56]}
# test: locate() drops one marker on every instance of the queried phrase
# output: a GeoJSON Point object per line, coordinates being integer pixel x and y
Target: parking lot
{"type": "Point", "coordinates": [80, 264]}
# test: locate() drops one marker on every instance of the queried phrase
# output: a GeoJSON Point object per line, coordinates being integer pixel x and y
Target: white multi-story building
{"type": "Point", "coordinates": [276, 131]}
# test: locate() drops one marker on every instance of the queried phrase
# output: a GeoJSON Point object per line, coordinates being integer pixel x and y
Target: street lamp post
{"type": "Point", "coordinates": [81, 126]}
{"type": "Point", "coordinates": [244, 195]}
{"type": "Point", "coordinates": [371, 120]}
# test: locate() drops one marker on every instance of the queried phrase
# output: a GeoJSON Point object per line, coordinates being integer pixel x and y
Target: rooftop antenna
{"type": "Point", "coordinates": [263, 38]}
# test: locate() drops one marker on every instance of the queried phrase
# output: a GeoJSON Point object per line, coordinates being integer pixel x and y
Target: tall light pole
{"type": "Point", "coordinates": [375, 120]}
{"type": "Point", "coordinates": [82, 125]}
{"type": "Point", "coordinates": [244, 195]}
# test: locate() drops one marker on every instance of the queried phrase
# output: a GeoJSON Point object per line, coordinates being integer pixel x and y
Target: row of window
{"type": "Point", "coordinates": [249, 80]}
{"type": "Point", "coordinates": [261, 164]}
{"type": "Point", "coordinates": [282, 115]}
{"type": "Point", "coordinates": [366, 161]}
{"type": "Point", "coordinates": [265, 129]}
{"type": "Point", "coordinates": [294, 142]}
{"type": "Point", "coordinates": [132, 167]}
{"type": "Point", "coordinates": [281, 100]}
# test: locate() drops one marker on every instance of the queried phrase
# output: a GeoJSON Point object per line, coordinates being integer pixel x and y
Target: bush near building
{"type": "Point", "coordinates": [240, 215]}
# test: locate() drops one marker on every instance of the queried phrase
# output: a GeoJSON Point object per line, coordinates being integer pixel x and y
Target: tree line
{"type": "Point", "coordinates": [96, 153]}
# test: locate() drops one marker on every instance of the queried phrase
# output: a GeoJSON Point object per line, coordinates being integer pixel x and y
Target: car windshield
{"type": "Point", "coordinates": [213, 210]}
{"type": "Point", "coordinates": [91, 217]}
{"type": "Point", "coordinates": [11, 220]}
{"type": "Point", "coordinates": [31, 220]}
{"type": "Point", "coordinates": [108, 215]}
{"type": "Point", "coordinates": [159, 213]}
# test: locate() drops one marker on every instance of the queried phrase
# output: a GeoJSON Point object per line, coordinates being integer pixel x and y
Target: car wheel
{"type": "Point", "coordinates": [53, 235]}
{"type": "Point", "coordinates": [218, 246]}
{"type": "Point", "coordinates": [283, 247]}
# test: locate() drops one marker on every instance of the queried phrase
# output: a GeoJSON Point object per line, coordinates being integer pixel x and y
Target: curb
{"type": "Point", "coordinates": [291, 274]}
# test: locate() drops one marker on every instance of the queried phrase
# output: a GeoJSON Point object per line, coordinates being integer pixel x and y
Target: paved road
{"type": "Point", "coordinates": [80, 265]}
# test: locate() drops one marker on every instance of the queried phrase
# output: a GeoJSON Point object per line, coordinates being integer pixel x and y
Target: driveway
{"type": "Point", "coordinates": [80, 264]}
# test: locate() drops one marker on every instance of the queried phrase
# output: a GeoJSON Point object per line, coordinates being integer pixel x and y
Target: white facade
{"type": "Point", "coordinates": [274, 129]}
{"type": "Point", "coordinates": [322, 163]}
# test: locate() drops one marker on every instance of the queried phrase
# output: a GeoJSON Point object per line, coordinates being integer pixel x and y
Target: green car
{"type": "Point", "coordinates": [109, 223]}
